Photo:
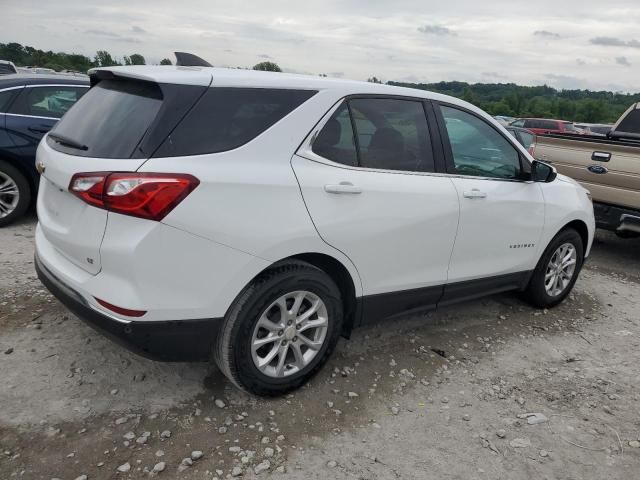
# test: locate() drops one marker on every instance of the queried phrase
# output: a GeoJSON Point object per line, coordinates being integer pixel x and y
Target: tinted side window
{"type": "Point", "coordinates": [392, 134]}
{"type": "Point", "coordinates": [47, 101]}
{"type": "Point", "coordinates": [478, 149]}
{"type": "Point", "coordinates": [335, 140]}
{"type": "Point", "coordinates": [6, 97]}
{"type": "Point", "coordinates": [226, 118]}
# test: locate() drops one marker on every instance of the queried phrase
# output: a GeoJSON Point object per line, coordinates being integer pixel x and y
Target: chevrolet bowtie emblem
{"type": "Point", "coordinates": [40, 167]}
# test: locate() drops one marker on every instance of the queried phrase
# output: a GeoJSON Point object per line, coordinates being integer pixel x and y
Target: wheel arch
{"type": "Point", "coordinates": [340, 274]}
{"type": "Point", "coordinates": [582, 229]}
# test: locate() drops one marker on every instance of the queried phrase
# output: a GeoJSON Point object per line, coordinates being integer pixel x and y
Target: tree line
{"type": "Point", "coordinates": [543, 101]}
{"type": "Point", "coordinates": [496, 98]}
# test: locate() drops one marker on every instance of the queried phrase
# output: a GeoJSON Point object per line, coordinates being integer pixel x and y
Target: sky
{"type": "Point", "coordinates": [591, 44]}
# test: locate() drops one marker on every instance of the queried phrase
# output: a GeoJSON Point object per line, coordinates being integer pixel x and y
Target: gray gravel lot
{"type": "Point", "coordinates": [386, 406]}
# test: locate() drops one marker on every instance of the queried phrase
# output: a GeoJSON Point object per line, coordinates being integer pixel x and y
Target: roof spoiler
{"type": "Point", "coordinates": [184, 59]}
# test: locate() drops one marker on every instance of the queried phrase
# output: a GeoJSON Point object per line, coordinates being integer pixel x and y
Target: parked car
{"type": "Point", "coordinates": [255, 216]}
{"type": "Point", "coordinates": [594, 128]}
{"type": "Point", "coordinates": [545, 125]}
{"type": "Point", "coordinates": [504, 120]}
{"type": "Point", "coordinates": [609, 167]}
{"type": "Point", "coordinates": [29, 106]}
{"type": "Point", "coordinates": [7, 68]}
{"type": "Point", "coordinates": [525, 137]}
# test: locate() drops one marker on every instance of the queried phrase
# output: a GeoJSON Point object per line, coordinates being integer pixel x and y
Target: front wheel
{"type": "Point", "coordinates": [280, 330]}
{"type": "Point", "coordinates": [557, 270]}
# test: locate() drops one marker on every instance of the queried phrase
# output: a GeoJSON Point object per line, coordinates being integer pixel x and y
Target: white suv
{"type": "Point", "coordinates": [254, 217]}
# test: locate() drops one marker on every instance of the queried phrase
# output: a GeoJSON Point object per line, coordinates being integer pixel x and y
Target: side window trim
{"type": "Point", "coordinates": [448, 151]}
{"type": "Point", "coordinates": [305, 149]}
{"type": "Point", "coordinates": [354, 132]}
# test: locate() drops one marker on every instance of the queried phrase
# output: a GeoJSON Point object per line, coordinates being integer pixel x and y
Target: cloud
{"type": "Point", "coordinates": [494, 75]}
{"type": "Point", "coordinates": [546, 33]}
{"type": "Point", "coordinates": [102, 33]}
{"type": "Point", "coordinates": [437, 30]}
{"type": "Point", "coordinates": [580, 62]}
{"type": "Point", "coordinates": [264, 55]}
{"type": "Point", "coordinates": [137, 29]}
{"type": "Point", "coordinates": [566, 82]}
{"type": "Point", "coordinates": [623, 61]}
{"type": "Point", "coordinates": [615, 42]}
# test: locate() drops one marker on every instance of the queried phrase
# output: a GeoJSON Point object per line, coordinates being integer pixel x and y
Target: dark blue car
{"type": "Point", "coordinates": [30, 105]}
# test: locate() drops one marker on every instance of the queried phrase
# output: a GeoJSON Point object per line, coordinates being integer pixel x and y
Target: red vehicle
{"type": "Point", "coordinates": [545, 125]}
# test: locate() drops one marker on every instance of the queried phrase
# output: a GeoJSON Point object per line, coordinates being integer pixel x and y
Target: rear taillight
{"type": "Point", "coordinates": [144, 195]}
{"type": "Point", "coordinates": [532, 148]}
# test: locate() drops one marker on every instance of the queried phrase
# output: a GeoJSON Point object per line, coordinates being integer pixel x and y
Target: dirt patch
{"type": "Point", "coordinates": [439, 396]}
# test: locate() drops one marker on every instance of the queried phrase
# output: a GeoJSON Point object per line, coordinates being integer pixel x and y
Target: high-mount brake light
{"type": "Point", "coordinates": [144, 195]}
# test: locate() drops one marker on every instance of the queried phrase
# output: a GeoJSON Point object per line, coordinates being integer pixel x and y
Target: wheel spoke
{"type": "Point", "coordinates": [310, 343]}
{"type": "Point", "coordinates": [267, 324]}
{"type": "Point", "coordinates": [313, 309]}
{"type": "Point", "coordinates": [299, 298]}
{"type": "Point", "coordinates": [265, 361]}
{"type": "Point", "coordinates": [297, 354]}
{"type": "Point", "coordinates": [318, 323]}
{"type": "Point", "coordinates": [261, 342]}
{"type": "Point", "coordinates": [281, 359]}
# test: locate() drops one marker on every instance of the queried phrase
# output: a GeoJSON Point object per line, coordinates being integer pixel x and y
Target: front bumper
{"type": "Point", "coordinates": [174, 340]}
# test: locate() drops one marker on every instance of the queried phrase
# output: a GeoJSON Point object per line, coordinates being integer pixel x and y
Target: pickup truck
{"type": "Point", "coordinates": [609, 167]}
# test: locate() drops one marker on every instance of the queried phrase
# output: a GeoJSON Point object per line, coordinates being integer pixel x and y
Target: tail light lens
{"type": "Point", "coordinates": [144, 195]}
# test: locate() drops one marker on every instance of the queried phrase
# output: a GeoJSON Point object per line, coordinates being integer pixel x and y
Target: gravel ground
{"type": "Point", "coordinates": [489, 389]}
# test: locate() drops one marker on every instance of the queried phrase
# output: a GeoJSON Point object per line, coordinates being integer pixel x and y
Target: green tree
{"type": "Point", "coordinates": [374, 79]}
{"type": "Point", "coordinates": [134, 59]}
{"type": "Point", "coordinates": [267, 67]}
{"type": "Point", "coordinates": [104, 59]}
{"type": "Point", "coordinates": [165, 61]}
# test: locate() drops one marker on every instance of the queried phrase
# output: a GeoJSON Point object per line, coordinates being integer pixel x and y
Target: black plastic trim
{"type": "Point", "coordinates": [172, 341]}
{"type": "Point", "coordinates": [378, 307]}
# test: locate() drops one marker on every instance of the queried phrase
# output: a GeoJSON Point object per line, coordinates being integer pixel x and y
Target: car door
{"type": "Point", "coordinates": [36, 110]}
{"type": "Point", "coordinates": [366, 174]}
{"type": "Point", "coordinates": [501, 210]}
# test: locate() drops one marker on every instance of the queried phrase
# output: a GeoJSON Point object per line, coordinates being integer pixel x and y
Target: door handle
{"type": "Point", "coordinates": [601, 156]}
{"type": "Point", "coordinates": [343, 187]}
{"type": "Point", "coordinates": [474, 193]}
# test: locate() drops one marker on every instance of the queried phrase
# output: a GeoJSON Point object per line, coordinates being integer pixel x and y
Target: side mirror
{"type": "Point", "coordinates": [542, 172]}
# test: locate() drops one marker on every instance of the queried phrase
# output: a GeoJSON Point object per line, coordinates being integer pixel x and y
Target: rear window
{"type": "Point", "coordinates": [570, 127]}
{"type": "Point", "coordinates": [110, 120]}
{"type": "Point", "coordinates": [630, 123]}
{"type": "Point", "coordinates": [226, 118]}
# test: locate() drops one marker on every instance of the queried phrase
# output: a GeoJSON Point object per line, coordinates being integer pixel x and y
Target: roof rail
{"type": "Point", "coordinates": [185, 59]}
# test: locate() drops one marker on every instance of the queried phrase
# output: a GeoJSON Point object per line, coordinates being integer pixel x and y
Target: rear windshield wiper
{"type": "Point", "coordinates": [68, 142]}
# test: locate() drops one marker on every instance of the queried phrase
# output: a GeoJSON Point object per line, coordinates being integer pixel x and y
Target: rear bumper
{"type": "Point", "coordinates": [174, 340]}
{"type": "Point", "coordinates": [618, 219]}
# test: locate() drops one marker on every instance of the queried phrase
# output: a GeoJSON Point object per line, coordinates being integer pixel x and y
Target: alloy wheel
{"type": "Point", "coordinates": [9, 195]}
{"type": "Point", "coordinates": [289, 334]}
{"type": "Point", "coordinates": [560, 269]}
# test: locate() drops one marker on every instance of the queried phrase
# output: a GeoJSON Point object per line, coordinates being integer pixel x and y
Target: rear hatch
{"type": "Point", "coordinates": [115, 127]}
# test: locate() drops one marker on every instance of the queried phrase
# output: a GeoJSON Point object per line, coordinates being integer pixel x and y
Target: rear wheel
{"type": "Point", "coordinates": [15, 194]}
{"type": "Point", "coordinates": [557, 270]}
{"type": "Point", "coordinates": [280, 330]}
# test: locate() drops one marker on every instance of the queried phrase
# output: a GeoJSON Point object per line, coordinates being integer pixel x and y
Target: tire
{"type": "Point", "coordinates": [537, 293]}
{"type": "Point", "coordinates": [234, 347]}
{"type": "Point", "coordinates": [10, 207]}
